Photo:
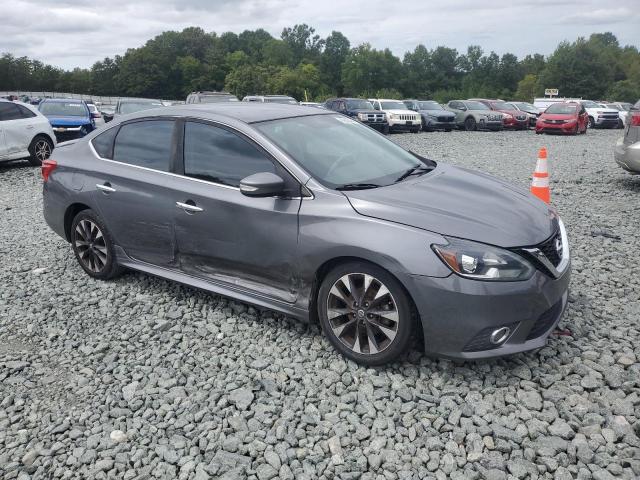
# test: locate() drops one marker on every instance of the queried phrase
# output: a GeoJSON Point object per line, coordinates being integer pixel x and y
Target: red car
{"type": "Point", "coordinates": [568, 118]}
{"type": "Point", "coordinates": [511, 118]}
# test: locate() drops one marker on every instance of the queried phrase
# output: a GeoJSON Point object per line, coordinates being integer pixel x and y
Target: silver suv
{"type": "Point", "coordinates": [210, 97]}
{"type": "Point", "coordinates": [627, 152]}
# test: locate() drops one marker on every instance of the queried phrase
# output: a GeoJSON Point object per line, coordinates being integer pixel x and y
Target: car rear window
{"type": "Point", "coordinates": [145, 144]}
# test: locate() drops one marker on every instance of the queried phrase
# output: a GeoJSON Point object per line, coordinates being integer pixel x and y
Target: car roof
{"type": "Point", "coordinates": [242, 111]}
{"type": "Point", "coordinates": [138, 100]}
{"type": "Point", "coordinates": [65, 100]}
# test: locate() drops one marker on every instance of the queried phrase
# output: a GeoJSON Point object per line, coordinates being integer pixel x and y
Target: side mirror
{"type": "Point", "coordinates": [263, 184]}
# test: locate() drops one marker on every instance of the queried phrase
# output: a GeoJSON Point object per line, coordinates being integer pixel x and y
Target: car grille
{"type": "Point", "coordinates": [553, 254]}
{"type": "Point", "coordinates": [609, 116]}
{"type": "Point", "coordinates": [521, 117]}
{"type": "Point", "coordinates": [559, 122]}
{"type": "Point", "coordinates": [482, 340]}
{"type": "Point", "coordinates": [545, 321]}
{"type": "Point", "coordinates": [411, 118]}
{"type": "Point", "coordinates": [445, 119]}
{"type": "Point", "coordinates": [375, 117]}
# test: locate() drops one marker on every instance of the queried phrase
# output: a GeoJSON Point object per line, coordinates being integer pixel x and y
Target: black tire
{"type": "Point", "coordinates": [39, 150]}
{"type": "Point", "coordinates": [584, 132]}
{"type": "Point", "coordinates": [416, 130]}
{"type": "Point", "coordinates": [470, 124]}
{"type": "Point", "coordinates": [620, 123]}
{"type": "Point", "coordinates": [592, 123]}
{"type": "Point", "coordinates": [360, 319]}
{"type": "Point", "coordinates": [575, 131]}
{"type": "Point", "coordinates": [96, 256]}
{"type": "Point", "coordinates": [447, 129]}
{"type": "Point", "coordinates": [385, 130]}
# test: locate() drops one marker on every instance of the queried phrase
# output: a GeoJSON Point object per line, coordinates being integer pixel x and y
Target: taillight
{"type": "Point", "coordinates": [47, 167]}
{"type": "Point", "coordinates": [635, 119]}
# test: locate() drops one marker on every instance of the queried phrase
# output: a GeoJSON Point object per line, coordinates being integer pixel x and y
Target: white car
{"type": "Point", "coordinates": [623, 111]}
{"type": "Point", "coordinates": [24, 133]}
{"type": "Point", "coordinates": [599, 116]}
{"type": "Point", "coordinates": [96, 115]}
{"type": "Point", "coordinates": [399, 116]}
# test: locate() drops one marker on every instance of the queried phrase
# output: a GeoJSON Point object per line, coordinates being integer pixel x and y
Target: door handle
{"type": "Point", "coordinates": [189, 207]}
{"type": "Point", "coordinates": [106, 187]}
{"type": "Point", "coordinates": [29, 127]}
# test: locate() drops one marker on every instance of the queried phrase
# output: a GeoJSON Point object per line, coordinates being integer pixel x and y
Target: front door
{"type": "Point", "coordinates": [225, 236]}
{"type": "Point", "coordinates": [133, 193]}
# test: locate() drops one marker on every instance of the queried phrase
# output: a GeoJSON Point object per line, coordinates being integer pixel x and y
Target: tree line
{"type": "Point", "coordinates": [308, 67]}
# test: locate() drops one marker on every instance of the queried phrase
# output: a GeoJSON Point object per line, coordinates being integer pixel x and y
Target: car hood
{"type": "Point", "coordinates": [438, 113]}
{"type": "Point", "coordinates": [68, 121]}
{"type": "Point", "coordinates": [460, 203]}
{"type": "Point", "coordinates": [558, 116]}
{"type": "Point", "coordinates": [364, 111]}
{"type": "Point", "coordinates": [602, 109]}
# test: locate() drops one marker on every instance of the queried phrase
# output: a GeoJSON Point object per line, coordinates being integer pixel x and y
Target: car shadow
{"type": "Point", "coordinates": [629, 182]}
{"type": "Point", "coordinates": [15, 165]}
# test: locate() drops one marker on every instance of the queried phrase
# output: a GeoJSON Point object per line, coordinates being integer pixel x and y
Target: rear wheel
{"type": "Point", "coordinates": [39, 150]}
{"type": "Point", "coordinates": [93, 246]}
{"type": "Point", "coordinates": [470, 124]}
{"type": "Point", "coordinates": [365, 313]}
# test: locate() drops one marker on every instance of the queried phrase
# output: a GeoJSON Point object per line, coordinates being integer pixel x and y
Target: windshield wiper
{"type": "Point", "coordinates": [415, 170]}
{"type": "Point", "coordinates": [358, 186]}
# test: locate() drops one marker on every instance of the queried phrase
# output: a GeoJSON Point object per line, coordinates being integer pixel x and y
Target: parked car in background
{"type": "Point", "coordinates": [360, 109]}
{"type": "Point", "coordinates": [599, 116]}
{"type": "Point", "coordinates": [434, 117]}
{"type": "Point", "coordinates": [392, 247]}
{"type": "Point", "coordinates": [125, 106]}
{"type": "Point", "coordinates": [627, 150]}
{"type": "Point", "coordinates": [529, 108]}
{"type": "Point", "coordinates": [399, 117]}
{"type": "Point", "coordinates": [543, 103]}
{"type": "Point", "coordinates": [107, 112]}
{"type": "Point", "coordinates": [512, 118]}
{"type": "Point", "coordinates": [210, 97]}
{"type": "Point", "coordinates": [309, 104]}
{"type": "Point", "coordinates": [271, 99]}
{"type": "Point", "coordinates": [24, 133]}
{"type": "Point", "coordinates": [69, 118]}
{"type": "Point", "coordinates": [623, 111]}
{"type": "Point", "coordinates": [95, 113]}
{"type": "Point", "coordinates": [569, 118]}
{"type": "Point", "coordinates": [472, 115]}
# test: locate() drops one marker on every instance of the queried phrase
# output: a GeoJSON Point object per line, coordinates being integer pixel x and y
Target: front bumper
{"type": "Point", "coordinates": [628, 156]}
{"type": "Point", "coordinates": [435, 124]}
{"type": "Point", "coordinates": [68, 133]}
{"type": "Point", "coordinates": [494, 125]}
{"type": "Point", "coordinates": [404, 125]}
{"type": "Point", "coordinates": [516, 124]}
{"type": "Point", "coordinates": [567, 128]}
{"type": "Point", "coordinates": [601, 122]}
{"type": "Point", "coordinates": [458, 315]}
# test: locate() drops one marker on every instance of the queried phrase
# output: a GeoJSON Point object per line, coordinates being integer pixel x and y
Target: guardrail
{"type": "Point", "coordinates": [104, 100]}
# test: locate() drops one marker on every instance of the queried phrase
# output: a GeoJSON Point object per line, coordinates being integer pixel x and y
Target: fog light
{"type": "Point", "coordinates": [500, 335]}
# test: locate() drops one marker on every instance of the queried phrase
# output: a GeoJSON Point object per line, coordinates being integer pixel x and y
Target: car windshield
{"type": "Point", "coordinates": [476, 106]}
{"type": "Point", "coordinates": [502, 106]}
{"type": "Point", "coordinates": [430, 105]}
{"type": "Point", "coordinates": [130, 107]}
{"type": "Point", "coordinates": [625, 106]}
{"type": "Point", "coordinates": [359, 104]}
{"type": "Point", "coordinates": [217, 98]}
{"type": "Point", "coordinates": [590, 104]}
{"type": "Point", "coordinates": [340, 152]}
{"type": "Point", "coordinates": [287, 100]}
{"type": "Point", "coordinates": [614, 106]}
{"type": "Point", "coordinates": [393, 106]}
{"type": "Point", "coordinates": [561, 108]}
{"type": "Point", "coordinates": [63, 109]}
{"type": "Point", "coordinates": [92, 108]}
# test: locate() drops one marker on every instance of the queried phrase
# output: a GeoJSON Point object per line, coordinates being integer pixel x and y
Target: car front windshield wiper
{"type": "Point", "coordinates": [358, 186]}
{"type": "Point", "coordinates": [415, 170]}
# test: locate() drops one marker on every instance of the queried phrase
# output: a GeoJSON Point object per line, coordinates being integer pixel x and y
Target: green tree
{"type": "Point", "coordinates": [303, 42]}
{"type": "Point", "coordinates": [527, 88]}
{"type": "Point", "coordinates": [335, 52]}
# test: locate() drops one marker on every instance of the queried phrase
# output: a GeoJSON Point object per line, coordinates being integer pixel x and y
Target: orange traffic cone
{"type": "Point", "coordinates": [540, 181]}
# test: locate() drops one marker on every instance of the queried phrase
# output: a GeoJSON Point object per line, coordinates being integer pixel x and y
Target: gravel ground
{"type": "Point", "coordinates": [142, 378]}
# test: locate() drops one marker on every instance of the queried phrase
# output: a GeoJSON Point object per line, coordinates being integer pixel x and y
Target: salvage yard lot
{"type": "Point", "coordinates": [205, 387]}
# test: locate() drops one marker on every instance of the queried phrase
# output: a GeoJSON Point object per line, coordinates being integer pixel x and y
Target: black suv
{"type": "Point", "coordinates": [210, 97]}
{"type": "Point", "coordinates": [360, 109]}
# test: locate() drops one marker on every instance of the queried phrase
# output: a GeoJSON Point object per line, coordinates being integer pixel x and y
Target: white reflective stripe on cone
{"type": "Point", "coordinates": [541, 165]}
{"type": "Point", "coordinates": [540, 182]}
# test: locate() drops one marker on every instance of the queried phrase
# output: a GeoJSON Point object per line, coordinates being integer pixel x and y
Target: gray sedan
{"type": "Point", "coordinates": [315, 215]}
{"type": "Point", "coordinates": [627, 150]}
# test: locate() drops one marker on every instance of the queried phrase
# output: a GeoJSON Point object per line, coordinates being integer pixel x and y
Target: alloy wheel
{"type": "Point", "coordinates": [90, 245]}
{"type": "Point", "coordinates": [362, 313]}
{"type": "Point", "coordinates": [42, 150]}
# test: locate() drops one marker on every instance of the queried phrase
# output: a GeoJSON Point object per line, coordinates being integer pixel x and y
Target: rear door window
{"type": "Point", "coordinates": [145, 144]}
{"type": "Point", "coordinates": [25, 112]}
{"type": "Point", "coordinates": [103, 143]}
{"type": "Point", "coordinates": [9, 111]}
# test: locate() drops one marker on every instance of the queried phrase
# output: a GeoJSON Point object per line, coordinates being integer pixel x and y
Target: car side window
{"type": "Point", "coordinates": [103, 143]}
{"type": "Point", "coordinates": [145, 144]}
{"type": "Point", "coordinates": [220, 156]}
{"type": "Point", "coordinates": [25, 112]}
{"type": "Point", "coordinates": [9, 111]}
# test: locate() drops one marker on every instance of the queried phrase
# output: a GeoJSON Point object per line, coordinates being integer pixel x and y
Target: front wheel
{"type": "Point", "coordinates": [39, 150]}
{"type": "Point", "coordinates": [470, 124]}
{"type": "Point", "coordinates": [93, 246]}
{"type": "Point", "coordinates": [385, 130]}
{"type": "Point", "coordinates": [447, 129]}
{"type": "Point", "coordinates": [592, 123]}
{"type": "Point", "coordinates": [365, 313]}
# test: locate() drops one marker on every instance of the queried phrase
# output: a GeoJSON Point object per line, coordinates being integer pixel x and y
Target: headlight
{"type": "Point", "coordinates": [391, 116]}
{"type": "Point", "coordinates": [507, 116]}
{"type": "Point", "coordinates": [483, 262]}
{"type": "Point", "coordinates": [363, 116]}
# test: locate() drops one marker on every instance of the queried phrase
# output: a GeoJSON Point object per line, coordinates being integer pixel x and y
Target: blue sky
{"type": "Point", "coordinates": [76, 33]}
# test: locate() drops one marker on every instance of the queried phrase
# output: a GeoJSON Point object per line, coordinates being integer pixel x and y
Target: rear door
{"type": "Point", "coordinates": [17, 127]}
{"type": "Point", "coordinates": [223, 235]}
{"type": "Point", "coordinates": [132, 188]}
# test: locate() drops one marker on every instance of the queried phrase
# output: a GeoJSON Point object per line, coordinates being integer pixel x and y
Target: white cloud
{"type": "Point", "coordinates": [72, 33]}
